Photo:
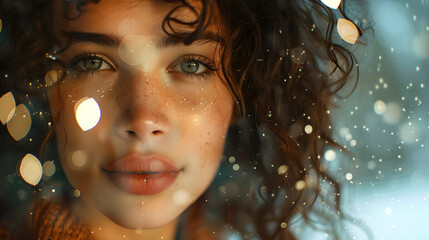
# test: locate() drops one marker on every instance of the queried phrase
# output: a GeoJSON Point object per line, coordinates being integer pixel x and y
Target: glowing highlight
{"type": "Point", "coordinates": [334, 4]}
{"type": "Point", "coordinates": [88, 113]}
{"type": "Point", "coordinates": [20, 124]}
{"type": "Point", "coordinates": [7, 107]}
{"type": "Point", "coordinates": [30, 169]}
{"type": "Point", "coordinates": [51, 78]}
{"type": "Point", "coordinates": [347, 30]}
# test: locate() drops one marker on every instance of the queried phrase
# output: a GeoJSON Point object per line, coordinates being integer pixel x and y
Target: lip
{"type": "Point", "coordinates": [142, 174]}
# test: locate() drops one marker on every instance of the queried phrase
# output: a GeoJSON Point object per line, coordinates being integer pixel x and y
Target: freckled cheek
{"type": "Point", "coordinates": [69, 97]}
{"type": "Point", "coordinates": [79, 179]}
{"type": "Point", "coordinates": [72, 139]}
{"type": "Point", "coordinates": [80, 166]}
{"type": "Point", "coordinates": [212, 134]}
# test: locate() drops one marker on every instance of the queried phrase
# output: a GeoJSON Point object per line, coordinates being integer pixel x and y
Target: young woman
{"type": "Point", "coordinates": [140, 102]}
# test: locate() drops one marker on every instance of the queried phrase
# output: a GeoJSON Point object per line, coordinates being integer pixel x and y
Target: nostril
{"type": "Point", "coordinates": [132, 133]}
{"type": "Point", "coordinates": [156, 132]}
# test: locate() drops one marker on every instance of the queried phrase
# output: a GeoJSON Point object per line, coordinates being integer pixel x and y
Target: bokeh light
{"type": "Point", "coordinates": [347, 30]}
{"type": "Point", "coordinates": [330, 155]}
{"type": "Point", "coordinates": [332, 3]}
{"type": "Point", "coordinates": [308, 129]}
{"type": "Point", "coordinates": [236, 167]}
{"type": "Point", "coordinates": [88, 113]}
{"type": "Point", "coordinates": [51, 78]}
{"type": "Point", "coordinates": [31, 169]}
{"type": "Point", "coordinates": [196, 119]}
{"type": "Point", "coordinates": [420, 45]}
{"type": "Point", "coordinates": [300, 185]}
{"type": "Point", "coordinates": [20, 124]}
{"type": "Point", "coordinates": [379, 107]}
{"type": "Point", "coordinates": [349, 176]}
{"type": "Point", "coordinates": [76, 193]}
{"type": "Point", "coordinates": [388, 211]}
{"type": "Point", "coordinates": [409, 133]}
{"type": "Point", "coordinates": [393, 113]}
{"type": "Point", "coordinates": [282, 169]}
{"type": "Point", "coordinates": [7, 107]}
{"type": "Point", "coordinates": [48, 168]}
{"type": "Point", "coordinates": [137, 50]}
{"type": "Point", "coordinates": [181, 197]}
{"type": "Point", "coordinates": [77, 160]}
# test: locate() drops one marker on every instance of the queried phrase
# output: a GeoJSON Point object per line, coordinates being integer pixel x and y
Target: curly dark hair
{"type": "Point", "coordinates": [282, 67]}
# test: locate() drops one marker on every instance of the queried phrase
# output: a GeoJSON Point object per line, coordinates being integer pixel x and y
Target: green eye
{"type": "Point", "coordinates": [93, 63]}
{"type": "Point", "coordinates": [190, 66]}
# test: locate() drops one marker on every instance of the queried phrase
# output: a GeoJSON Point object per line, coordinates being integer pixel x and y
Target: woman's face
{"type": "Point", "coordinates": [164, 113]}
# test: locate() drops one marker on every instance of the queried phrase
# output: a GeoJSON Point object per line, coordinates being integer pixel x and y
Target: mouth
{"type": "Point", "coordinates": [142, 174]}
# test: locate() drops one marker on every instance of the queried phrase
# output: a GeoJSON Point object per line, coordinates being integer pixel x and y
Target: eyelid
{"type": "Point", "coordinates": [206, 62]}
{"type": "Point", "coordinates": [77, 59]}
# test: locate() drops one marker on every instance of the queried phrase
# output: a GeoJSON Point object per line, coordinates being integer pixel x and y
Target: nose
{"type": "Point", "coordinates": [142, 107]}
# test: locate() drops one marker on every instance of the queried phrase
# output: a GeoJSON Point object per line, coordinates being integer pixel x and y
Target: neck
{"type": "Point", "coordinates": [110, 230]}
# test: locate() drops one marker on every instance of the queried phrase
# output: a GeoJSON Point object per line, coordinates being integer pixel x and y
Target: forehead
{"type": "Point", "coordinates": [122, 17]}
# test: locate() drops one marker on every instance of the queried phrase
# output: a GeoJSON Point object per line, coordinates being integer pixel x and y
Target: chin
{"type": "Point", "coordinates": [142, 221]}
{"type": "Point", "coordinates": [134, 212]}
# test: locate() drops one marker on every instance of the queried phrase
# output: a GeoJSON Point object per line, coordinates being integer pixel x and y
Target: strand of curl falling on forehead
{"type": "Point", "coordinates": [18, 121]}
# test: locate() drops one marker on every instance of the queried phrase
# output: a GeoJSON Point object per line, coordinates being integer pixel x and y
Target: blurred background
{"type": "Point", "coordinates": [385, 125]}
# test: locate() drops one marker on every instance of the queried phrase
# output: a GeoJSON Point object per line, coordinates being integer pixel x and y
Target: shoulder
{"type": "Point", "coordinates": [5, 233]}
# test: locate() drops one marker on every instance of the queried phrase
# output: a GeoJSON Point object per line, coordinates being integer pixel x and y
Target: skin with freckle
{"type": "Point", "coordinates": [145, 109]}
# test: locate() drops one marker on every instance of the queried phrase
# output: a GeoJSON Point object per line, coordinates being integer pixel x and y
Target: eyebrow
{"type": "Point", "coordinates": [115, 41]}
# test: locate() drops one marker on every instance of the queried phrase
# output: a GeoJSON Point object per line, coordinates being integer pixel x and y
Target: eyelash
{"type": "Point", "coordinates": [204, 61]}
{"type": "Point", "coordinates": [207, 63]}
{"type": "Point", "coordinates": [85, 56]}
